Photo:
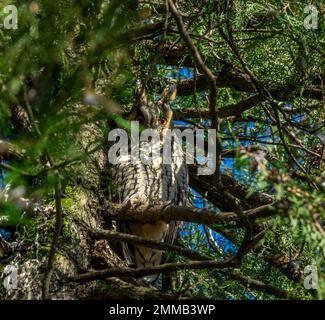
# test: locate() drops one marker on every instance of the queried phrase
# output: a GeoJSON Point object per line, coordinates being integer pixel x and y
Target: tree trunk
{"type": "Point", "coordinates": [86, 204]}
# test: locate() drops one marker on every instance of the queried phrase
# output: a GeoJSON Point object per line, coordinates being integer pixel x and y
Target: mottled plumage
{"type": "Point", "coordinates": [152, 184]}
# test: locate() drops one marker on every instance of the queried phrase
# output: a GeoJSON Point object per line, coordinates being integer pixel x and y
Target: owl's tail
{"type": "Point", "coordinates": [147, 257]}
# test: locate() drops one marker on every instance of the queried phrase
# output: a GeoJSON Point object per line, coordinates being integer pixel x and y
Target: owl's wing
{"type": "Point", "coordinates": [127, 250]}
{"type": "Point", "coordinates": [171, 236]}
{"type": "Point", "coordinates": [172, 232]}
{"type": "Point", "coordinates": [181, 200]}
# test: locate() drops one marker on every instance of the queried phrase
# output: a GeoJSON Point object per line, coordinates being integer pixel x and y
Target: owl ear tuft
{"type": "Point", "coordinates": [141, 93]}
{"type": "Point", "coordinates": [169, 93]}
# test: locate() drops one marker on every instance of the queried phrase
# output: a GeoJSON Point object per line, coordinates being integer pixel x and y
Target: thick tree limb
{"type": "Point", "coordinates": [145, 31]}
{"type": "Point", "coordinates": [228, 77]}
{"type": "Point", "coordinates": [235, 109]}
{"type": "Point", "coordinates": [237, 81]}
{"type": "Point", "coordinates": [178, 213]}
{"type": "Point", "coordinates": [232, 110]}
{"type": "Point", "coordinates": [164, 268]}
{"type": "Point", "coordinates": [225, 78]}
{"type": "Point", "coordinates": [115, 288]}
{"type": "Point", "coordinates": [206, 187]}
{"type": "Point", "coordinates": [132, 239]}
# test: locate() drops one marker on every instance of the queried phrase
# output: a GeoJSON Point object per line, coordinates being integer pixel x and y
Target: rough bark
{"type": "Point", "coordinates": [77, 251]}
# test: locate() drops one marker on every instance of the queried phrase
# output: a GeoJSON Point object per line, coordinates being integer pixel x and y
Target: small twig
{"type": "Point", "coordinates": [210, 77]}
{"type": "Point", "coordinates": [256, 284]}
{"type": "Point", "coordinates": [268, 97]}
{"type": "Point", "coordinates": [14, 169]}
{"type": "Point", "coordinates": [58, 209]}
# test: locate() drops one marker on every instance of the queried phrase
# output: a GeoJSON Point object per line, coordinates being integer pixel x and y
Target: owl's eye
{"type": "Point", "coordinates": [139, 118]}
{"type": "Point", "coordinates": [163, 121]}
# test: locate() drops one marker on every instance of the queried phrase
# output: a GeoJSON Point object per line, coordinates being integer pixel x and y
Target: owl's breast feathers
{"type": "Point", "coordinates": [151, 184]}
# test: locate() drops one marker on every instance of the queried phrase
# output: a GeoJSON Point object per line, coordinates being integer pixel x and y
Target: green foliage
{"type": "Point", "coordinates": [65, 51]}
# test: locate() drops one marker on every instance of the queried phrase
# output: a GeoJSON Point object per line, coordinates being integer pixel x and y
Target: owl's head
{"type": "Point", "coordinates": [156, 115]}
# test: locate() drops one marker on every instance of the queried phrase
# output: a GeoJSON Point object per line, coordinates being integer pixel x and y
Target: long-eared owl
{"type": "Point", "coordinates": [147, 184]}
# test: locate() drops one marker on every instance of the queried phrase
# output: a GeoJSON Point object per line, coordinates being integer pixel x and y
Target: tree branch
{"type": "Point", "coordinates": [164, 268]}
{"type": "Point", "coordinates": [210, 78]}
{"type": "Point", "coordinates": [9, 150]}
{"type": "Point", "coordinates": [178, 213]}
{"type": "Point", "coordinates": [256, 284]}
{"type": "Point", "coordinates": [132, 239]}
